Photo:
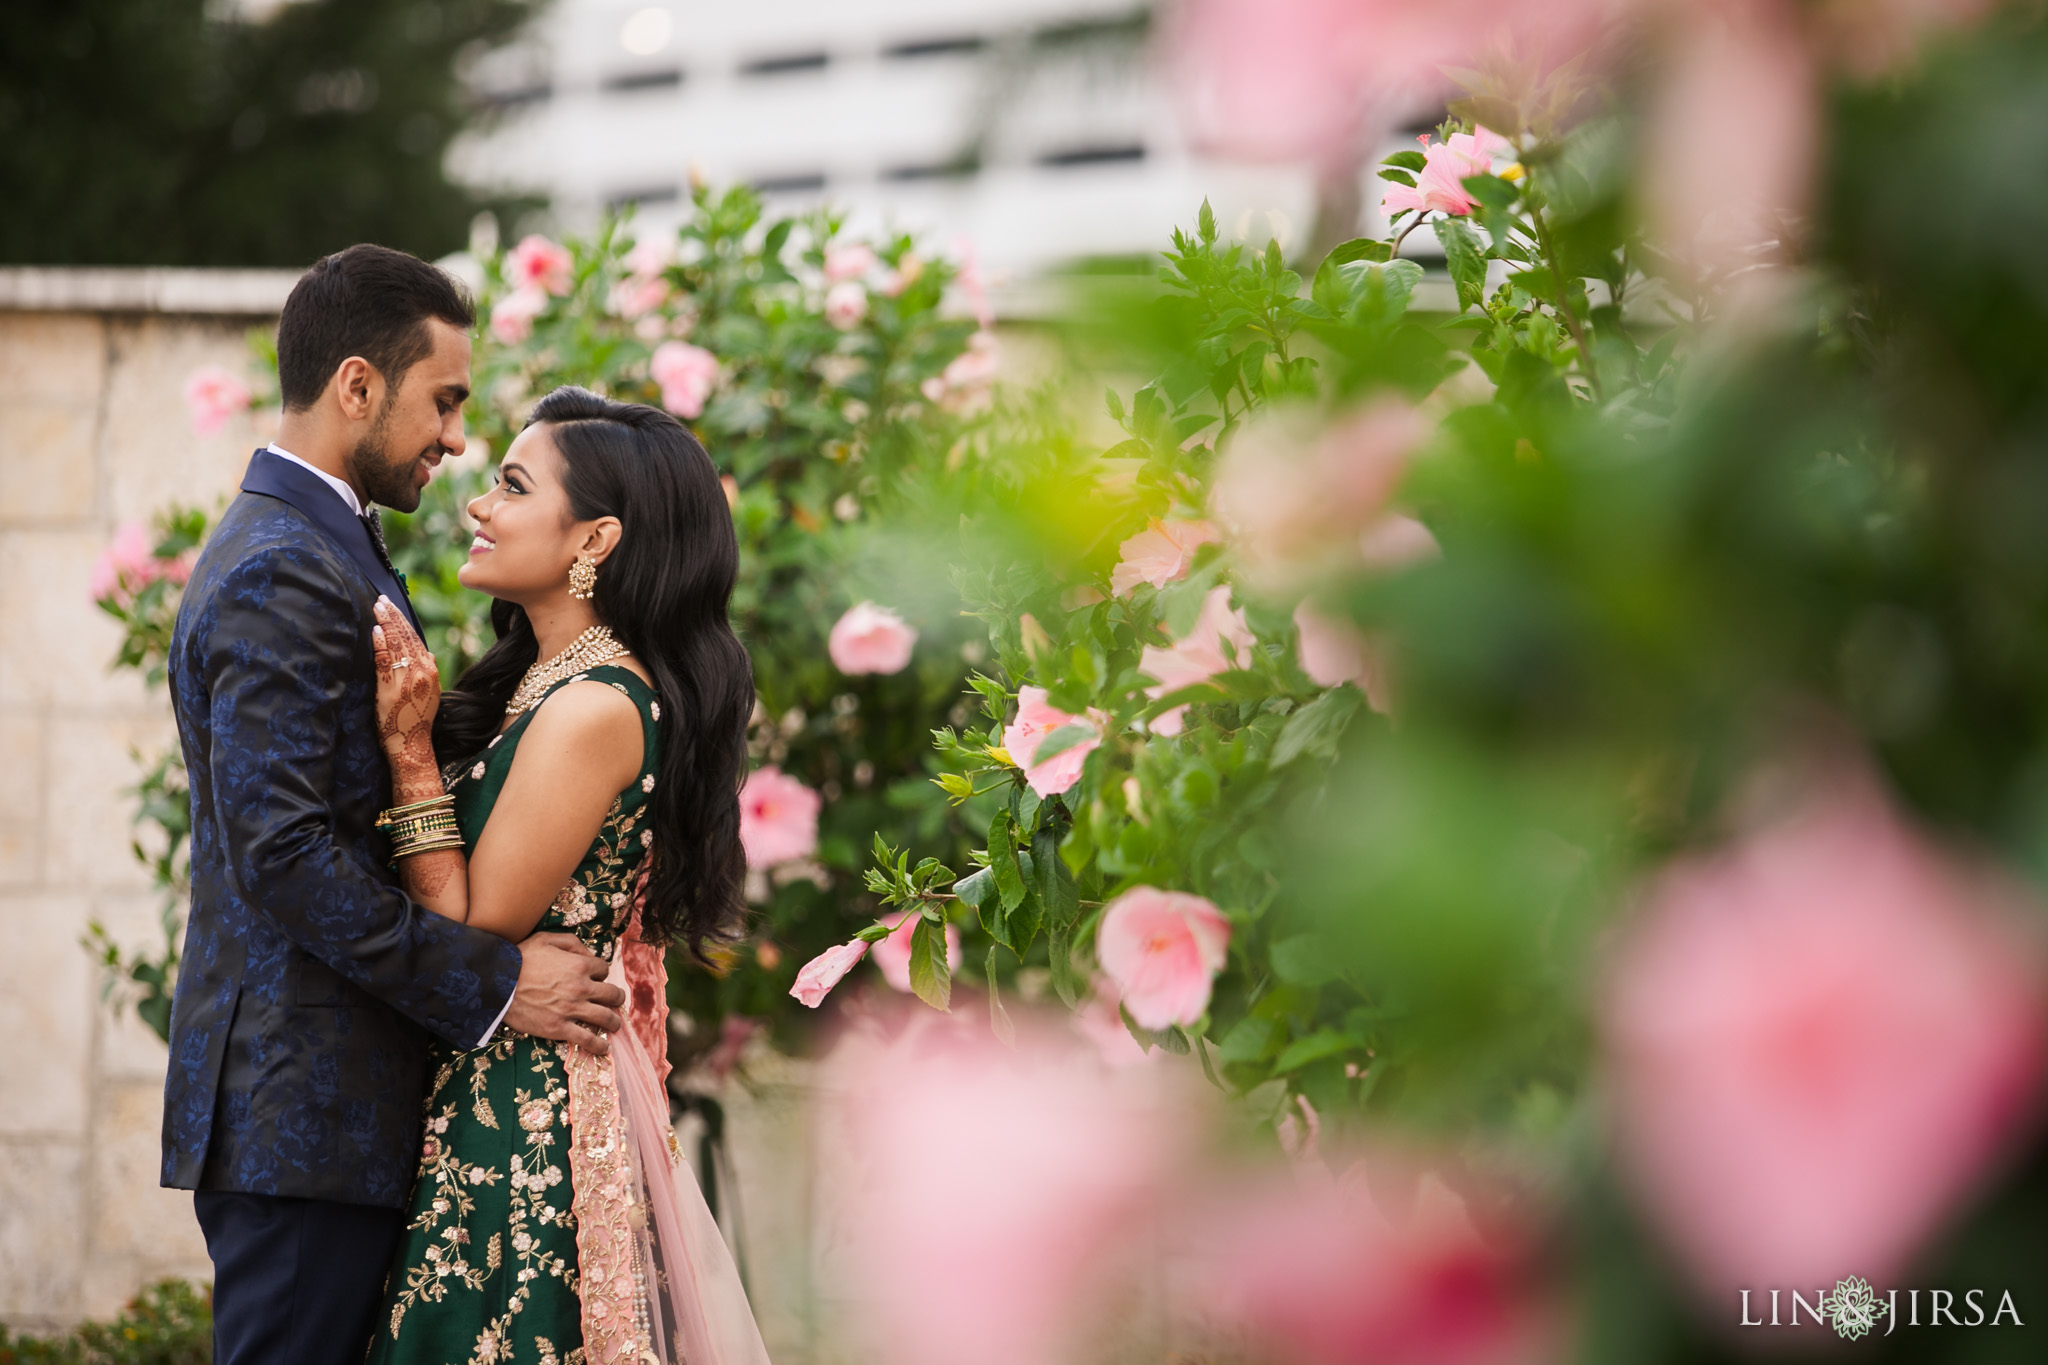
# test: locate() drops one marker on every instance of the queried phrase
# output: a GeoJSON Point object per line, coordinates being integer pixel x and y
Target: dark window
{"type": "Point", "coordinates": [953, 169]}
{"type": "Point", "coordinates": [514, 97]}
{"type": "Point", "coordinates": [1094, 156]}
{"type": "Point", "coordinates": [933, 47]}
{"type": "Point", "coordinates": [788, 62]}
{"type": "Point", "coordinates": [629, 81]}
{"type": "Point", "coordinates": [655, 194]}
{"type": "Point", "coordinates": [789, 184]}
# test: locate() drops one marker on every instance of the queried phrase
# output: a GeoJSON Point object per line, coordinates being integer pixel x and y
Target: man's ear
{"type": "Point", "coordinates": [602, 539]}
{"type": "Point", "coordinates": [358, 388]}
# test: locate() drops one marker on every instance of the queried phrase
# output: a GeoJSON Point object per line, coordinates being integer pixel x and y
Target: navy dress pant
{"type": "Point", "coordinates": [295, 1281]}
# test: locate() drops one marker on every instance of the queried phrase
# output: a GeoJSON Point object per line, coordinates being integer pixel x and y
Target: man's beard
{"type": "Point", "coordinates": [384, 482]}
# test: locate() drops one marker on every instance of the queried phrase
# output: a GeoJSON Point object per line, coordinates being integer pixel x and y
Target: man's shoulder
{"type": "Point", "coordinates": [260, 536]}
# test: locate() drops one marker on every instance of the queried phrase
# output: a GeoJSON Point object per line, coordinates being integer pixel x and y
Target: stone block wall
{"type": "Point", "coordinates": [92, 433]}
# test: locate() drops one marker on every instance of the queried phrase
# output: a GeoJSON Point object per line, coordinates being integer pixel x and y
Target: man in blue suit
{"type": "Point", "coordinates": [310, 983]}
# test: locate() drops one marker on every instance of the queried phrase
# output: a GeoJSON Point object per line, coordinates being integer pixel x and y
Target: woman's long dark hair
{"type": "Point", "coordinates": [664, 591]}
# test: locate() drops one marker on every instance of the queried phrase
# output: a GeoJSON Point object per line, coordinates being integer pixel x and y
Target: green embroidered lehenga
{"type": "Point", "coordinates": [532, 1235]}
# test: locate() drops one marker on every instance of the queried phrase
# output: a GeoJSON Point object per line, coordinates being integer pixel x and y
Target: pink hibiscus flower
{"type": "Point", "coordinates": [1024, 736]}
{"type": "Point", "coordinates": [537, 263]}
{"type": "Point", "coordinates": [778, 818]}
{"type": "Point", "coordinates": [1819, 1039]}
{"type": "Point", "coordinates": [686, 374]}
{"type": "Point", "coordinates": [1163, 950]}
{"type": "Point", "coordinates": [870, 639]}
{"type": "Point", "coordinates": [1162, 553]}
{"type": "Point", "coordinates": [212, 395]}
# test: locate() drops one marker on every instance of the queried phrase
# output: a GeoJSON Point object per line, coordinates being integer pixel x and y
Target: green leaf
{"type": "Point", "coordinates": [1324, 1042]}
{"type": "Point", "coordinates": [931, 978]}
{"type": "Point", "coordinates": [976, 889]}
{"type": "Point", "coordinates": [1066, 981]}
{"type": "Point", "coordinates": [1316, 727]}
{"type": "Point", "coordinates": [1002, 860]}
{"type": "Point", "coordinates": [1305, 960]}
{"type": "Point", "coordinates": [1413, 160]}
{"type": "Point", "coordinates": [1465, 257]}
{"type": "Point", "coordinates": [1205, 223]}
{"type": "Point", "coordinates": [1359, 249]}
{"type": "Point", "coordinates": [1251, 1040]}
{"type": "Point", "coordinates": [1399, 177]}
{"type": "Point", "coordinates": [1114, 404]}
{"type": "Point", "coordinates": [771, 245]}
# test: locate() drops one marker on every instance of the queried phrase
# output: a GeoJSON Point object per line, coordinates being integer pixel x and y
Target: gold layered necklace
{"type": "Point", "coordinates": [593, 647]}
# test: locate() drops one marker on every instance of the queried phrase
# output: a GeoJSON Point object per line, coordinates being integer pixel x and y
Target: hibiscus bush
{"type": "Point", "coordinates": [1590, 737]}
{"type": "Point", "coordinates": [817, 370]}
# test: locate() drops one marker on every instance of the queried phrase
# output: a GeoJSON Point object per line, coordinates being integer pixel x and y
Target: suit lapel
{"type": "Point", "coordinates": [278, 478]}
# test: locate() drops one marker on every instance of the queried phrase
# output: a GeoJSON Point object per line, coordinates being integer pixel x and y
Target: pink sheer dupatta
{"type": "Point", "coordinates": [659, 1286]}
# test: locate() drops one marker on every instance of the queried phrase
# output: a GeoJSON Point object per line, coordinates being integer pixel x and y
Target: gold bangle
{"type": "Point", "coordinates": [432, 820]}
{"type": "Point", "coordinates": [394, 814]}
{"type": "Point", "coordinates": [425, 846]}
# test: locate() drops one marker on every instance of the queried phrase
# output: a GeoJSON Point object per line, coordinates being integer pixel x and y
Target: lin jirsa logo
{"type": "Point", "coordinates": [1854, 1309]}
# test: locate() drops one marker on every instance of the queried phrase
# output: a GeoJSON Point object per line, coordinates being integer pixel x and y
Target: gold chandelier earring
{"type": "Point", "coordinates": [583, 579]}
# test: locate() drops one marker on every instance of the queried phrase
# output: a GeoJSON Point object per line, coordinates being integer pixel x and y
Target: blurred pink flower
{"type": "Point", "coordinates": [1732, 141]}
{"type": "Point", "coordinates": [1313, 1272]}
{"type": "Point", "coordinates": [1818, 1040]}
{"type": "Point", "coordinates": [645, 287]}
{"type": "Point", "coordinates": [816, 978]}
{"type": "Point", "coordinates": [127, 565]}
{"type": "Point", "coordinates": [870, 639]}
{"type": "Point", "coordinates": [778, 818]}
{"type": "Point", "coordinates": [686, 375]}
{"type": "Point", "coordinates": [512, 316]}
{"type": "Point", "coordinates": [651, 255]}
{"type": "Point", "coordinates": [537, 263]}
{"type": "Point", "coordinates": [1316, 80]}
{"type": "Point", "coordinates": [1297, 499]}
{"type": "Point", "coordinates": [848, 261]}
{"type": "Point", "coordinates": [1479, 148]}
{"type": "Point", "coordinates": [1395, 541]}
{"type": "Point", "coordinates": [212, 395]}
{"type": "Point", "coordinates": [638, 295]}
{"type": "Point", "coordinates": [892, 954]}
{"type": "Point", "coordinates": [1036, 719]}
{"type": "Point", "coordinates": [1333, 651]}
{"type": "Point", "coordinates": [846, 303]}
{"type": "Point", "coordinates": [1277, 80]}
{"type": "Point", "coordinates": [1100, 1022]}
{"type": "Point", "coordinates": [1162, 949]}
{"type": "Point", "coordinates": [1199, 655]}
{"type": "Point", "coordinates": [955, 1262]}
{"type": "Point", "coordinates": [967, 383]}
{"type": "Point", "coordinates": [735, 1031]}
{"type": "Point", "coordinates": [1438, 187]}
{"type": "Point", "coordinates": [1160, 554]}
{"type": "Point", "coordinates": [972, 283]}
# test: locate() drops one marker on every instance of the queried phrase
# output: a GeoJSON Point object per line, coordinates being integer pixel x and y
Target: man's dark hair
{"type": "Point", "coordinates": [368, 301]}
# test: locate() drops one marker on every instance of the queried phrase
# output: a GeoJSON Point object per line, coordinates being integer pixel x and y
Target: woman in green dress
{"type": "Point", "coordinates": [581, 779]}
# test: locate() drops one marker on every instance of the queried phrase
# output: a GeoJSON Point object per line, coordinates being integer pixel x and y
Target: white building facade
{"type": "Point", "coordinates": [1035, 132]}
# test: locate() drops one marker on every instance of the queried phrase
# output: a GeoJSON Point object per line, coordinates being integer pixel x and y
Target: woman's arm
{"type": "Point", "coordinates": [408, 695]}
{"type": "Point", "coordinates": [580, 750]}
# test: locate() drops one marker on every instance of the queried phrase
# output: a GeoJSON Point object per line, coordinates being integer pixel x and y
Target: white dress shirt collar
{"type": "Point", "coordinates": [340, 486]}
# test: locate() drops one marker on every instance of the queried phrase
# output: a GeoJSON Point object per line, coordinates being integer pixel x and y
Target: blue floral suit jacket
{"type": "Point", "coordinates": [309, 982]}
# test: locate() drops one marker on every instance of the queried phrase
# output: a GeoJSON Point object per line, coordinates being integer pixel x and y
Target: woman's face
{"type": "Point", "coordinates": [527, 536]}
